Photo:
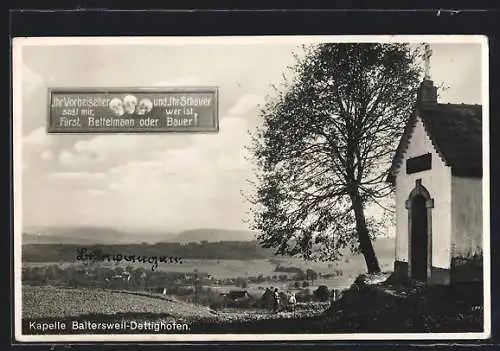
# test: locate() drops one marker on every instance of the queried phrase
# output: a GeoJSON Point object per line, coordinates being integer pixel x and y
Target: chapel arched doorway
{"type": "Point", "coordinates": [419, 205]}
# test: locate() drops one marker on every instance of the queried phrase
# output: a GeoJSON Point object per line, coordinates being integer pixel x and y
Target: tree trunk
{"type": "Point", "coordinates": [364, 239]}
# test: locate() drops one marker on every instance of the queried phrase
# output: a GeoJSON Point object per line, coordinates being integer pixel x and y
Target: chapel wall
{"type": "Point", "coordinates": [438, 182]}
{"type": "Point", "coordinates": [467, 216]}
{"type": "Point", "coordinates": [467, 229]}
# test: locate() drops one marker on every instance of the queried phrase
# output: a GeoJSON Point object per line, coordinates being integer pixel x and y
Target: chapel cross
{"type": "Point", "coordinates": [427, 58]}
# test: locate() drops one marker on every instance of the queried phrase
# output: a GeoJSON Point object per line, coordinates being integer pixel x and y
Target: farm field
{"type": "Point", "coordinates": [223, 269]}
{"type": "Point", "coordinates": [232, 269]}
{"type": "Point", "coordinates": [54, 302]}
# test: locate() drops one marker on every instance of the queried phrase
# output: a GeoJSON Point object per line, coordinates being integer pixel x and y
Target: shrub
{"type": "Point", "coordinates": [303, 296]}
{"type": "Point", "coordinates": [181, 291]}
{"type": "Point", "coordinates": [283, 298]}
{"type": "Point", "coordinates": [322, 293]}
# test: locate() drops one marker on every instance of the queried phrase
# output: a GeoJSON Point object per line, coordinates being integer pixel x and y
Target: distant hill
{"type": "Point", "coordinates": [54, 239]}
{"type": "Point", "coordinates": [90, 235]}
{"type": "Point", "coordinates": [108, 236]}
{"type": "Point", "coordinates": [213, 235]}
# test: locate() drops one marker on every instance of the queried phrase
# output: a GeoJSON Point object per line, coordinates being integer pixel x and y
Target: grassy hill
{"type": "Point", "coordinates": [56, 302]}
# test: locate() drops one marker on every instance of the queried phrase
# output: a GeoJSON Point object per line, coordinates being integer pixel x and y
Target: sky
{"type": "Point", "coordinates": [167, 181]}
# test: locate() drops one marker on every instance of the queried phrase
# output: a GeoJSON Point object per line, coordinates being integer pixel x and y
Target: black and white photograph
{"type": "Point", "coordinates": [251, 188]}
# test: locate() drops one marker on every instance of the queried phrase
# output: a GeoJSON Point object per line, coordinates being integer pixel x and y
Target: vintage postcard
{"type": "Point", "coordinates": [251, 188]}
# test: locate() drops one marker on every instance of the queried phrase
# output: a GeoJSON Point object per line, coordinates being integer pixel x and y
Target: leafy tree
{"type": "Point", "coordinates": [311, 275]}
{"type": "Point", "coordinates": [322, 293]}
{"type": "Point", "coordinates": [242, 283]}
{"type": "Point", "coordinates": [325, 145]}
{"type": "Point", "coordinates": [304, 295]}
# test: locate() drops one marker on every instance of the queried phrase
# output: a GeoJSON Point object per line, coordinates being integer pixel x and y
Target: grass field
{"type": "Point", "coordinates": [53, 302]}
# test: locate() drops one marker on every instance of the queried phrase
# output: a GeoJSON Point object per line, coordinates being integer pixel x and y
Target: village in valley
{"type": "Point", "coordinates": [314, 258]}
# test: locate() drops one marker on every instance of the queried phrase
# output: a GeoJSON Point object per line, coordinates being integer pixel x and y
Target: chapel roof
{"type": "Point", "coordinates": [455, 130]}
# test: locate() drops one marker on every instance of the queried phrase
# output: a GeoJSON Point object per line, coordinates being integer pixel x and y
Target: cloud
{"type": "Point", "coordinates": [67, 158]}
{"type": "Point", "coordinates": [47, 155]}
{"type": "Point", "coordinates": [176, 163]}
{"type": "Point", "coordinates": [38, 146]}
{"type": "Point", "coordinates": [116, 149]}
{"type": "Point", "coordinates": [89, 192]}
{"type": "Point", "coordinates": [77, 176]}
{"type": "Point", "coordinates": [38, 137]}
{"type": "Point", "coordinates": [232, 135]}
{"type": "Point", "coordinates": [246, 104]}
{"type": "Point", "coordinates": [182, 81]}
{"type": "Point", "coordinates": [106, 143]}
{"type": "Point", "coordinates": [204, 156]}
{"type": "Point", "coordinates": [195, 184]}
{"type": "Point", "coordinates": [31, 80]}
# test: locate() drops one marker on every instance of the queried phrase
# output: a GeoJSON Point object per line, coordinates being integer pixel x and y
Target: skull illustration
{"type": "Point", "coordinates": [116, 105]}
{"type": "Point", "coordinates": [145, 106]}
{"type": "Point", "coordinates": [129, 103]}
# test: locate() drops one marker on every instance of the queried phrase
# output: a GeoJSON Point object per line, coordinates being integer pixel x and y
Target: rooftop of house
{"type": "Point", "coordinates": [237, 294]}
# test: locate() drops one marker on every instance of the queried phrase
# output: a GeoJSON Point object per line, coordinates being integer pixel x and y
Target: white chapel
{"type": "Point", "coordinates": [437, 174]}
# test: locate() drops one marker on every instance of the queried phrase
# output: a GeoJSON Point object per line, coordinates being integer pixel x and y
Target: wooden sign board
{"type": "Point", "coordinates": [419, 164]}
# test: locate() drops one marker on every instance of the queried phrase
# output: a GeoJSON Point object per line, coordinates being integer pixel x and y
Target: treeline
{"type": "Point", "coordinates": [241, 250]}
